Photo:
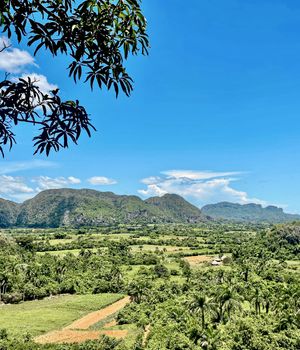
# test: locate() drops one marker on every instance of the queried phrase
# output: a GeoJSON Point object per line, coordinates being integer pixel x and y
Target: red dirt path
{"type": "Point", "coordinates": [78, 332]}
{"type": "Point", "coordinates": [94, 317]}
{"type": "Point", "coordinates": [76, 336]}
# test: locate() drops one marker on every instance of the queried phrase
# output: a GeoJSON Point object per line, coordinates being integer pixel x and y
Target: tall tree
{"type": "Point", "coordinates": [200, 304]}
{"type": "Point", "coordinates": [226, 300]}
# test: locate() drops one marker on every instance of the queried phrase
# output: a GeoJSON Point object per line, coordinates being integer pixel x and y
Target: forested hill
{"type": "Point", "coordinates": [69, 207]}
{"type": "Point", "coordinates": [248, 213]}
{"type": "Point", "coordinates": [8, 212]}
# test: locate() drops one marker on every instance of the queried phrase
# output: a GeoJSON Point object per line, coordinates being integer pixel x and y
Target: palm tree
{"type": "Point", "coordinates": [267, 300]}
{"type": "Point", "coordinates": [199, 305]}
{"type": "Point", "coordinates": [245, 271]}
{"type": "Point", "coordinates": [227, 300]}
{"type": "Point", "coordinates": [257, 299]}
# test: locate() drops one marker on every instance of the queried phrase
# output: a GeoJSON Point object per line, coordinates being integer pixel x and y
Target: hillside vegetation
{"type": "Point", "coordinates": [8, 213]}
{"type": "Point", "coordinates": [254, 213]}
{"type": "Point", "coordinates": [69, 207]}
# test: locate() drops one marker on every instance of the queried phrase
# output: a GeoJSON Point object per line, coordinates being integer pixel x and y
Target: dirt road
{"type": "Point", "coordinates": [78, 332]}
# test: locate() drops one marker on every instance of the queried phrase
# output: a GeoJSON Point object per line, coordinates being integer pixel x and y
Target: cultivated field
{"type": "Point", "coordinates": [41, 316]}
{"type": "Point", "coordinates": [138, 288]}
{"type": "Point", "coordinates": [78, 331]}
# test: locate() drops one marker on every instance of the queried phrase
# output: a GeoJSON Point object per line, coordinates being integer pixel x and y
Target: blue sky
{"type": "Point", "coordinates": [214, 115]}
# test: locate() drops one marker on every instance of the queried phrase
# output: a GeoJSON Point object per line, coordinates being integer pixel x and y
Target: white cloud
{"type": "Point", "coordinates": [101, 180]}
{"type": "Point", "coordinates": [41, 81]}
{"type": "Point", "coordinates": [46, 182]}
{"type": "Point", "coordinates": [197, 175]}
{"type": "Point", "coordinates": [4, 42]}
{"type": "Point", "coordinates": [15, 188]}
{"type": "Point", "coordinates": [14, 60]}
{"type": "Point", "coordinates": [151, 180]}
{"type": "Point", "coordinates": [19, 188]}
{"type": "Point", "coordinates": [74, 180]}
{"type": "Point", "coordinates": [13, 167]}
{"type": "Point", "coordinates": [201, 187]}
{"type": "Point", "coordinates": [154, 190]}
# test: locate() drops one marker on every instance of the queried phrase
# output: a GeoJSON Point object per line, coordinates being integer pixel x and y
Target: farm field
{"type": "Point", "coordinates": [41, 316]}
{"type": "Point", "coordinates": [190, 242]}
{"type": "Point", "coordinates": [149, 195]}
{"type": "Point", "coordinates": [198, 259]}
{"type": "Point", "coordinates": [139, 288]}
{"type": "Point", "coordinates": [63, 252]}
{"type": "Point", "coordinates": [78, 331]}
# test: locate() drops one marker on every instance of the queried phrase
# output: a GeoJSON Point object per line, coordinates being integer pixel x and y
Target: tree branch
{"type": "Point", "coordinates": [5, 47]}
{"type": "Point", "coordinates": [29, 121]}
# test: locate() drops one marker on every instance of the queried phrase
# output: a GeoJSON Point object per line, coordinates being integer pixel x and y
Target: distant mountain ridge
{"type": "Point", "coordinates": [74, 208]}
{"type": "Point", "coordinates": [254, 213]}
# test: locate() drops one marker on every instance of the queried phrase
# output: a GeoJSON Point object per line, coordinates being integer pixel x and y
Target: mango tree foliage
{"type": "Point", "coordinates": [96, 35]}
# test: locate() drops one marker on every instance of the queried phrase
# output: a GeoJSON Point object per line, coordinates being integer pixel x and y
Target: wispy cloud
{"type": "Point", "coordinates": [201, 187]}
{"type": "Point", "coordinates": [13, 167]}
{"type": "Point", "coordinates": [15, 188]}
{"type": "Point", "coordinates": [13, 60]}
{"type": "Point", "coordinates": [199, 175]}
{"type": "Point", "coordinates": [101, 180]}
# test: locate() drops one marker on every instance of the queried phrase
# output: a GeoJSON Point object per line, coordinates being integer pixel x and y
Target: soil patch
{"type": "Point", "coordinates": [197, 259]}
{"type": "Point", "coordinates": [78, 332]}
{"type": "Point", "coordinates": [110, 324]}
{"type": "Point", "coordinates": [87, 321]}
{"type": "Point", "coordinates": [76, 336]}
{"type": "Point", "coordinates": [146, 334]}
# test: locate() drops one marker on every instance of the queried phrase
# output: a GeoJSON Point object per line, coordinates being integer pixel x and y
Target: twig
{"type": "Point", "coordinates": [5, 47]}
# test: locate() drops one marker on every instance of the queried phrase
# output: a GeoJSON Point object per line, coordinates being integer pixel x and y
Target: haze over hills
{"type": "Point", "coordinates": [248, 213]}
{"type": "Point", "coordinates": [69, 207]}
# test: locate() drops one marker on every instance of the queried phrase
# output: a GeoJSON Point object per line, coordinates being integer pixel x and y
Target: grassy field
{"type": "Point", "coordinates": [168, 250]}
{"type": "Point", "coordinates": [293, 266]}
{"type": "Point", "coordinates": [41, 316]}
{"type": "Point", "coordinates": [68, 251]}
{"type": "Point", "coordinates": [153, 248]}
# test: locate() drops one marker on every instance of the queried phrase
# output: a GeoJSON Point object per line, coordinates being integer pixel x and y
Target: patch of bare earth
{"type": "Point", "coordinates": [110, 324]}
{"type": "Point", "coordinates": [87, 321]}
{"type": "Point", "coordinates": [116, 333]}
{"type": "Point", "coordinates": [77, 336]}
{"type": "Point", "coordinates": [146, 334]}
{"type": "Point", "coordinates": [78, 332]}
{"type": "Point", "coordinates": [197, 259]}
